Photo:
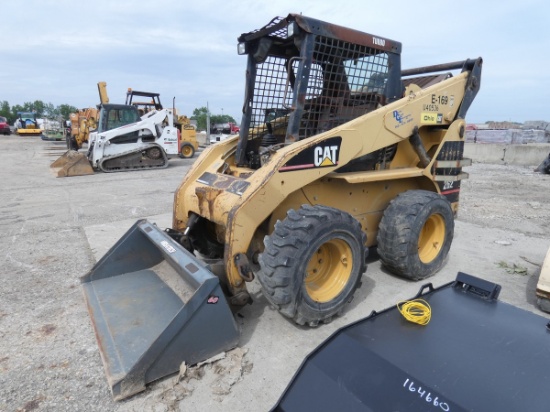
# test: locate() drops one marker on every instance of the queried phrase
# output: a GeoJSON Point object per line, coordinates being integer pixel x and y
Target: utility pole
{"type": "Point", "coordinates": [207, 124]}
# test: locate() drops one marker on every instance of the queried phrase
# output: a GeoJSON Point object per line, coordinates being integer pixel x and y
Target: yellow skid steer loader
{"type": "Point", "coordinates": [339, 150]}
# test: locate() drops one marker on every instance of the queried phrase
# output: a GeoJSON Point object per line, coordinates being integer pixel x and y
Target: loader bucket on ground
{"type": "Point", "coordinates": [72, 163]}
{"type": "Point", "coordinates": [476, 353]}
{"type": "Point", "coordinates": [153, 306]}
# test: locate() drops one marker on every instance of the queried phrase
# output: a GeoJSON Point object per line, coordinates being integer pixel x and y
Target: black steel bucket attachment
{"type": "Point", "coordinates": [475, 354]}
{"type": "Point", "coordinates": [147, 319]}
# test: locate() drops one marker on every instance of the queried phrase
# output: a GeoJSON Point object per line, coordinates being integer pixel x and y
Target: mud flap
{"type": "Point", "coordinates": [144, 327]}
{"type": "Point", "coordinates": [476, 353]}
{"type": "Point", "coordinates": [72, 163]}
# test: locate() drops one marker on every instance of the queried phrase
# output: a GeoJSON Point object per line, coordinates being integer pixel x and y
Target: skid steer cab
{"type": "Point", "coordinates": [339, 150]}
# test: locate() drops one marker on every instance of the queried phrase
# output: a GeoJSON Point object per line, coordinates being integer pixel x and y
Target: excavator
{"type": "Point", "coordinates": [118, 139]}
{"type": "Point", "coordinates": [339, 151]}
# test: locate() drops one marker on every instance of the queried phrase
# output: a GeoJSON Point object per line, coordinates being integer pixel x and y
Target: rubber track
{"type": "Point", "coordinates": [120, 156]}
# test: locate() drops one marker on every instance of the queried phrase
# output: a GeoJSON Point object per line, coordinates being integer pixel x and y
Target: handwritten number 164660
{"type": "Point", "coordinates": [427, 396]}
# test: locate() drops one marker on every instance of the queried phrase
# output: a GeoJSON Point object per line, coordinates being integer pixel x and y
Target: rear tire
{"type": "Point", "coordinates": [312, 263]}
{"type": "Point", "coordinates": [187, 151]}
{"type": "Point", "coordinates": [415, 234]}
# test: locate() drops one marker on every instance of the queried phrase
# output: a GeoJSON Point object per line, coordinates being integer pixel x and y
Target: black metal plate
{"type": "Point", "coordinates": [474, 355]}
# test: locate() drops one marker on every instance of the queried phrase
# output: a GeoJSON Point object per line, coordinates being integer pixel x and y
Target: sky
{"type": "Point", "coordinates": [57, 51]}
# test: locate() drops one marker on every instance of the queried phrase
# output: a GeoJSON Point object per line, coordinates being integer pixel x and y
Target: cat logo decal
{"type": "Point", "coordinates": [323, 154]}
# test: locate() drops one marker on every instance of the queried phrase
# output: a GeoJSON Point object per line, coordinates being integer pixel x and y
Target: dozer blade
{"type": "Point", "coordinates": [146, 323]}
{"type": "Point", "coordinates": [72, 163]}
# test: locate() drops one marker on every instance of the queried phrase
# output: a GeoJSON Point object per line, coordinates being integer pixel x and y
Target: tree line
{"type": "Point", "coordinates": [200, 115]}
{"type": "Point", "coordinates": [41, 109]}
{"type": "Point", "coordinates": [49, 111]}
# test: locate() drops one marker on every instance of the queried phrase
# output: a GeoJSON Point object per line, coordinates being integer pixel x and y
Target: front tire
{"type": "Point", "coordinates": [415, 234]}
{"type": "Point", "coordinates": [312, 263]}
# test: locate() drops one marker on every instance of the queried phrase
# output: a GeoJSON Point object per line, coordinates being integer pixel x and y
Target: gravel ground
{"type": "Point", "coordinates": [49, 359]}
{"type": "Point", "coordinates": [507, 197]}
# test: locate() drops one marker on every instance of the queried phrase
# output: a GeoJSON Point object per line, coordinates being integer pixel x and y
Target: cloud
{"type": "Point", "coordinates": [57, 50]}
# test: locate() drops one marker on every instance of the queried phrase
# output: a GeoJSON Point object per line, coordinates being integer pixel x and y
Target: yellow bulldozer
{"type": "Point", "coordinates": [339, 151]}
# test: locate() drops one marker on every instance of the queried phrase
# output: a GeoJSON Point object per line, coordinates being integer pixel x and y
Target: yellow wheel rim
{"type": "Point", "coordinates": [186, 151]}
{"type": "Point", "coordinates": [328, 270]}
{"type": "Point", "coordinates": [431, 239]}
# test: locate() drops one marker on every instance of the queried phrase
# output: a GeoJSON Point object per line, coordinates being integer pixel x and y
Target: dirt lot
{"type": "Point", "coordinates": [48, 354]}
